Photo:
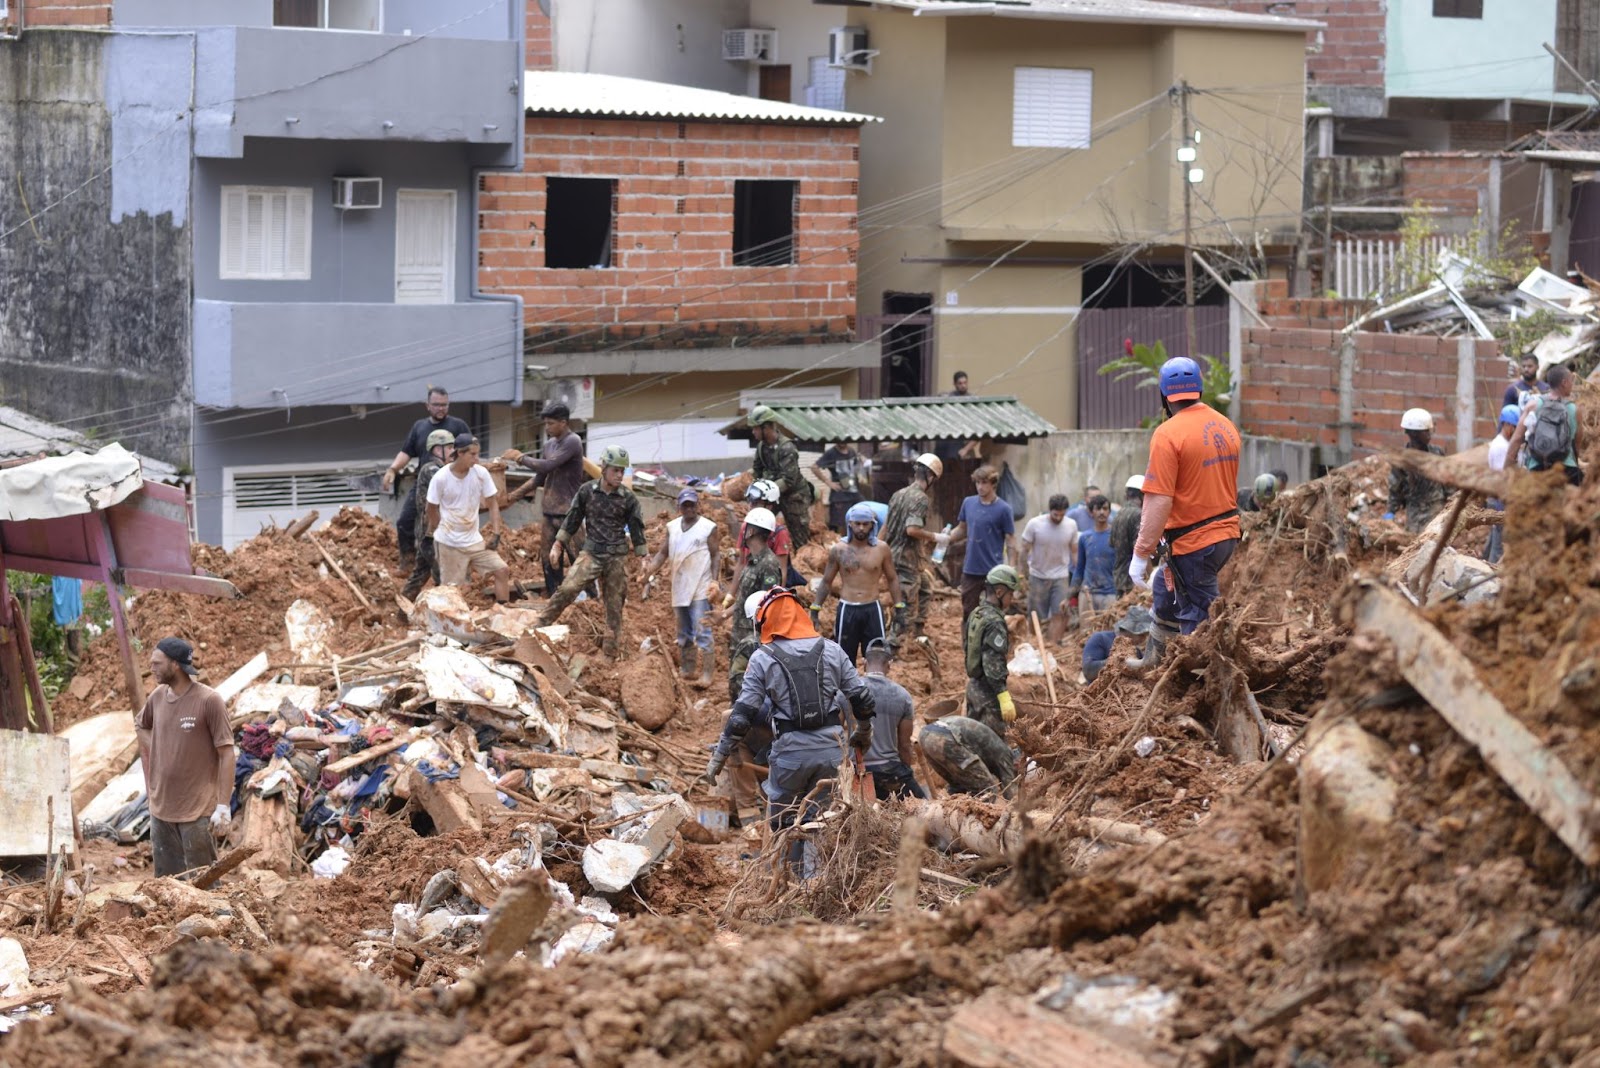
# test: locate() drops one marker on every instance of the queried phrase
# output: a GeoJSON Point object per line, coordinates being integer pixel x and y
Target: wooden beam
{"type": "Point", "coordinates": [1012, 1033]}
{"type": "Point", "coordinates": [1447, 681]}
{"type": "Point", "coordinates": [232, 860]}
{"type": "Point", "coordinates": [1451, 472]}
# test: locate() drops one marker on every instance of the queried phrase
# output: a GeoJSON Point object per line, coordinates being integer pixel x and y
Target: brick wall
{"type": "Point", "coordinates": [1349, 50]}
{"type": "Point", "coordinates": [673, 282]}
{"type": "Point", "coordinates": [540, 34]}
{"type": "Point", "coordinates": [1451, 180]}
{"type": "Point", "coordinates": [63, 13]}
{"type": "Point", "coordinates": [1292, 377]}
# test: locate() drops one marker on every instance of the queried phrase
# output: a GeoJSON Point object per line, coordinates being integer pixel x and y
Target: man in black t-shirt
{"type": "Point", "coordinates": [843, 470]}
{"type": "Point", "coordinates": [438, 418]}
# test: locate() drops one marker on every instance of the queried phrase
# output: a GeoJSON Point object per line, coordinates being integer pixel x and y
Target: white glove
{"type": "Point", "coordinates": [220, 821]}
{"type": "Point", "coordinates": [818, 591]}
{"type": "Point", "coordinates": [1136, 571]}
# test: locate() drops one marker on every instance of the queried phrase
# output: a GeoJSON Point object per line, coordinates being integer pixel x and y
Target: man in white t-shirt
{"type": "Point", "coordinates": [1499, 449]}
{"type": "Point", "coordinates": [455, 496]}
{"type": "Point", "coordinates": [1049, 547]}
{"type": "Point", "coordinates": [691, 553]}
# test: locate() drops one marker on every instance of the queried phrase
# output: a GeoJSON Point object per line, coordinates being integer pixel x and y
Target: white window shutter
{"type": "Point", "coordinates": [1052, 107]}
{"type": "Point", "coordinates": [231, 259]}
{"type": "Point", "coordinates": [424, 242]}
{"type": "Point", "coordinates": [297, 252]}
{"type": "Point", "coordinates": [266, 233]}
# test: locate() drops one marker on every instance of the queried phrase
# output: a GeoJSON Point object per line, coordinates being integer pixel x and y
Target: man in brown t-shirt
{"type": "Point", "coordinates": [187, 750]}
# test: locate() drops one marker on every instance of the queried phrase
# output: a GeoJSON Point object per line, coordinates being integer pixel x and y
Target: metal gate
{"type": "Point", "coordinates": [1107, 404]}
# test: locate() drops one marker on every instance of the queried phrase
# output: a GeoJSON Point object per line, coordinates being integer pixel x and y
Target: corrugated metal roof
{"type": "Point", "coordinates": [555, 92]}
{"type": "Point", "coordinates": [906, 418]}
{"type": "Point", "coordinates": [24, 435]}
{"type": "Point", "coordinates": [1147, 12]}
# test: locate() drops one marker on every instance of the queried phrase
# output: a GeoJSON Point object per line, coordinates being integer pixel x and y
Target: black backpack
{"type": "Point", "coordinates": [811, 693]}
{"type": "Point", "coordinates": [1551, 437]}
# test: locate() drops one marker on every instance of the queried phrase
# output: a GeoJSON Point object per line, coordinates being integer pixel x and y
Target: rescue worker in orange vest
{"type": "Point", "coordinates": [1190, 519]}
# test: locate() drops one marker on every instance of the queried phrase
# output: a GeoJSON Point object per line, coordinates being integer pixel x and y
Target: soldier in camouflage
{"type": "Point", "coordinates": [763, 572]}
{"type": "Point", "coordinates": [1412, 492]}
{"type": "Point", "coordinates": [988, 649]}
{"type": "Point", "coordinates": [611, 518]}
{"type": "Point", "coordinates": [906, 530]}
{"type": "Point", "coordinates": [778, 460]}
{"type": "Point", "coordinates": [441, 450]}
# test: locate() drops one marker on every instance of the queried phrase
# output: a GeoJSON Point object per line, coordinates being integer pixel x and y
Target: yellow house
{"type": "Point", "coordinates": [1030, 152]}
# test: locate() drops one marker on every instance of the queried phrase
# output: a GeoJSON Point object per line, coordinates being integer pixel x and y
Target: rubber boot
{"type": "Point", "coordinates": [708, 663]}
{"type": "Point", "coordinates": [609, 647]}
{"type": "Point", "coordinates": [1155, 647]}
{"type": "Point", "coordinates": [686, 661]}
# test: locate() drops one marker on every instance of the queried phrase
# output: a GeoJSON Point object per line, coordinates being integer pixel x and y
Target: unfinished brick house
{"type": "Point", "coordinates": [677, 252]}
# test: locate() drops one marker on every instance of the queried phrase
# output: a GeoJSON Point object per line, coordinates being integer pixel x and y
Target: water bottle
{"type": "Point", "coordinates": [938, 550]}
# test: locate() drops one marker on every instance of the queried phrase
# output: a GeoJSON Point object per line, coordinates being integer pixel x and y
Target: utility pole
{"type": "Point", "coordinates": [1188, 220]}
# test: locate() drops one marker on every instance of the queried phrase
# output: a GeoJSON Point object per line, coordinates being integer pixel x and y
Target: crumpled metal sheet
{"type": "Point", "coordinates": [74, 484]}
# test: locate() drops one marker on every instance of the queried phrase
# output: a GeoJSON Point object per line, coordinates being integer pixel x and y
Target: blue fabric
{"type": "Point", "coordinates": [1097, 650]}
{"type": "Point", "coordinates": [1096, 569]}
{"type": "Point", "coordinates": [369, 786]}
{"type": "Point", "coordinates": [880, 515]}
{"type": "Point", "coordinates": [987, 527]}
{"type": "Point", "coordinates": [1079, 514]}
{"type": "Point", "coordinates": [67, 597]}
{"type": "Point", "coordinates": [1197, 575]}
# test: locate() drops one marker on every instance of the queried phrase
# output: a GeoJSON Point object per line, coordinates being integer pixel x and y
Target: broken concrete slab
{"type": "Point", "coordinates": [612, 866]}
{"type": "Point", "coordinates": [36, 801]}
{"type": "Point", "coordinates": [1346, 803]}
{"type": "Point", "coordinates": [310, 633]}
{"type": "Point", "coordinates": [264, 698]}
{"type": "Point", "coordinates": [443, 610]}
{"type": "Point", "coordinates": [101, 748]}
{"type": "Point", "coordinates": [516, 915]}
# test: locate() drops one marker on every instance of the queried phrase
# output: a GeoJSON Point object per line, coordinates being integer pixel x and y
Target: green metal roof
{"type": "Point", "coordinates": [1003, 419]}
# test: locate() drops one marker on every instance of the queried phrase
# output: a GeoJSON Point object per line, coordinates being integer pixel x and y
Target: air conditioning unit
{"type": "Point", "coordinates": [576, 393]}
{"type": "Point", "coordinates": [847, 49]}
{"type": "Point", "coordinates": [750, 46]}
{"type": "Point", "coordinates": [357, 194]}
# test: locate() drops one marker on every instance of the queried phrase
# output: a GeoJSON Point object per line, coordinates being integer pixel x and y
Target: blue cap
{"type": "Point", "coordinates": [1510, 415]}
{"type": "Point", "coordinates": [688, 496]}
{"type": "Point", "coordinates": [861, 512]}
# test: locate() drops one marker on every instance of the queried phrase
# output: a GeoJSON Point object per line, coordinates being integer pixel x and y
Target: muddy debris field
{"type": "Point", "coordinates": [1349, 821]}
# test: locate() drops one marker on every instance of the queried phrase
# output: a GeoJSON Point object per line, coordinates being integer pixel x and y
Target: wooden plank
{"type": "Point", "coordinates": [445, 803]}
{"type": "Point", "coordinates": [531, 653]}
{"type": "Point", "coordinates": [1447, 681]}
{"type": "Point", "coordinates": [137, 963]}
{"type": "Point", "coordinates": [48, 992]}
{"type": "Point", "coordinates": [355, 760]}
{"type": "Point", "coordinates": [234, 684]}
{"type": "Point", "coordinates": [1011, 1033]}
{"type": "Point", "coordinates": [232, 860]}
{"type": "Point", "coordinates": [337, 570]}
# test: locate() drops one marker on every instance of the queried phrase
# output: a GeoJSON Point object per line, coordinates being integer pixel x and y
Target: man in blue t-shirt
{"type": "Point", "coordinates": [1096, 570]}
{"type": "Point", "coordinates": [988, 527]}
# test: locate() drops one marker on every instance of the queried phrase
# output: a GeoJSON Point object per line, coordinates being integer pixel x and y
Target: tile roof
{"type": "Point", "coordinates": [1002, 419]}
{"type": "Point", "coordinates": [551, 92]}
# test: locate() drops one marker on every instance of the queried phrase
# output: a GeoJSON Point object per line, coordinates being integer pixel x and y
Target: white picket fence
{"type": "Point", "coordinates": [1368, 267]}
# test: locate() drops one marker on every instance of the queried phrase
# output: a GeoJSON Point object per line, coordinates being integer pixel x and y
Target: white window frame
{"type": "Point", "coordinates": [1052, 107]}
{"type": "Point", "coordinates": [233, 531]}
{"type": "Point", "coordinates": [322, 20]}
{"type": "Point", "coordinates": [233, 246]}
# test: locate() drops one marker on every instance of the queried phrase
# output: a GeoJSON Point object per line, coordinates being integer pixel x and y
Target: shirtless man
{"type": "Point", "coordinates": [859, 561]}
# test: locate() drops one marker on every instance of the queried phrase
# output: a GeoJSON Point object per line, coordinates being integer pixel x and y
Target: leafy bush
{"type": "Point", "coordinates": [1144, 363]}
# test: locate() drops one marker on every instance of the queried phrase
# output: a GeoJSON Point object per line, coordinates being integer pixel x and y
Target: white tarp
{"type": "Point", "coordinates": [74, 484]}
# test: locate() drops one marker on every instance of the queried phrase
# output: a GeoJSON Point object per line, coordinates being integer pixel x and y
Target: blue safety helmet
{"type": "Point", "coordinates": [1510, 415]}
{"type": "Point", "coordinates": [1180, 379]}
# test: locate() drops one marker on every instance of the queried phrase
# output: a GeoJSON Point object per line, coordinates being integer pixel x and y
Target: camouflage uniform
{"type": "Point", "coordinates": [611, 521]}
{"type": "Point", "coordinates": [1421, 497]}
{"type": "Point", "coordinates": [988, 649]}
{"type": "Point", "coordinates": [780, 462]}
{"type": "Point", "coordinates": [761, 573]}
{"type": "Point", "coordinates": [969, 757]}
{"type": "Point", "coordinates": [908, 508]}
{"type": "Point", "coordinates": [427, 565]}
{"type": "Point", "coordinates": [1124, 532]}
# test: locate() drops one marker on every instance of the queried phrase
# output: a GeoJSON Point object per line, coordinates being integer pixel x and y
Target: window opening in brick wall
{"type": "Point", "coordinates": [1458, 9]}
{"type": "Point", "coordinates": [579, 219]}
{"type": "Point", "coordinates": [1051, 107]}
{"type": "Point", "coordinates": [763, 223]}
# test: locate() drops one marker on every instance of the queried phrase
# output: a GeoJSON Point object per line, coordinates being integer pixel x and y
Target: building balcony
{"type": "Point", "coordinates": [292, 355]}
{"type": "Point", "coordinates": [332, 85]}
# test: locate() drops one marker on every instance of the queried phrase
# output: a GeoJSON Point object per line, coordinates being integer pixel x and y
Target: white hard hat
{"type": "Point", "coordinates": [932, 463]}
{"type": "Point", "coordinates": [762, 489]}
{"type": "Point", "coordinates": [762, 519]}
{"type": "Point", "coordinates": [753, 602]}
{"type": "Point", "coordinates": [1134, 482]}
{"type": "Point", "coordinates": [1416, 419]}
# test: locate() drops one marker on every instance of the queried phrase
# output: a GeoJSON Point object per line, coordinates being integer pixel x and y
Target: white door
{"type": "Point", "coordinates": [424, 246]}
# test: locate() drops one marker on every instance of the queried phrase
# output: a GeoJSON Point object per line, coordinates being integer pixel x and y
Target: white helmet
{"type": "Point", "coordinates": [762, 489]}
{"type": "Point", "coordinates": [932, 463]}
{"type": "Point", "coordinates": [1134, 482]}
{"type": "Point", "coordinates": [761, 519]}
{"type": "Point", "coordinates": [753, 602]}
{"type": "Point", "coordinates": [1416, 419]}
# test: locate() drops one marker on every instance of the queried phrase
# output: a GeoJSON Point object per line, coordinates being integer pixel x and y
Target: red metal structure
{"type": "Point", "coordinates": [142, 540]}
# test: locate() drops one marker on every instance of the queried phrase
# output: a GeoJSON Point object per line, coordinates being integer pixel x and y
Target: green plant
{"type": "Point", "coordinates": [50, 650]}
{"type": "Point", "coordinates": [1144, 363]}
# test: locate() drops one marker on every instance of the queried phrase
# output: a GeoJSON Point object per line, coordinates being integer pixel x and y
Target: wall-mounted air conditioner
{"type": "Point", "coordinates": [847, 49]}
{"type": "Point", "coordinates": [357, 194]}
{"type": "Point", "coordinates": [750, 46]}
{"type": "Point", "coordinates": [576, 393]}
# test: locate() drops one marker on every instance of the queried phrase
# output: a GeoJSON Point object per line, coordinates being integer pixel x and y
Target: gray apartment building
{"type": "Point", "coordinates": [242, 236]}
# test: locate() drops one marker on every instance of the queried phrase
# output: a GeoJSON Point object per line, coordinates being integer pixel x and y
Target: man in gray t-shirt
{"type": "Point", "coordinates": [889, 756]}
